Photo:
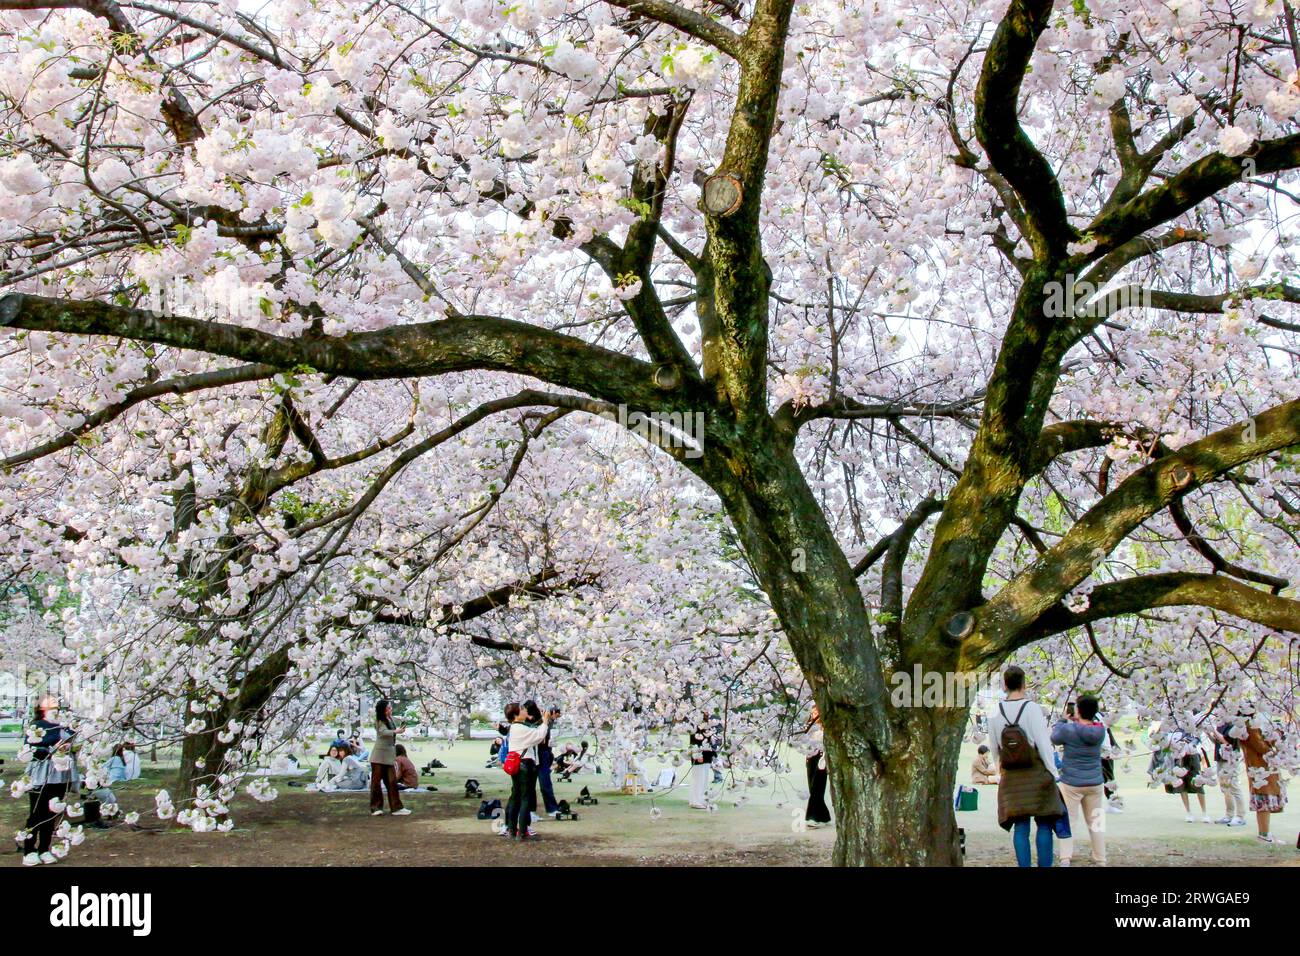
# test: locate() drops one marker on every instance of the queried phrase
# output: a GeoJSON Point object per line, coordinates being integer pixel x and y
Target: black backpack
{"type": "Point", "coordinates": [489, 809]}
{"type": "Point", "coordinates": [1016, 750]}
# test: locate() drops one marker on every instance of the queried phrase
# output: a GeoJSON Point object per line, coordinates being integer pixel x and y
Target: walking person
{"type": "Point", "coordinates": [1110, 751]}
{"type": "Point", "coordinates": [1227, 767]}
{"type": "Point", "coordinates": [52, 771]}
{"type": "Point", "coordinates": [703, 750]}
{"type": "Point", "coordinates": [1266, 794]}
{"type": "Point", "coordinates": [522, 740]}
{"type": "Point", "coordinates": [1082, 781]}
{"type": "Point", "coordinates": [1022, 747]}
{"type": "Point", "coordinates": [383, 763]}
{"type": "Point", "coordinates": [816, 814]}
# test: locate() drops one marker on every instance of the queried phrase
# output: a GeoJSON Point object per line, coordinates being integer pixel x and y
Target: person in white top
{"type": "Point", "coordinates": [1027, 788]}
{"type": "Point", "coordinates": [524, 737]}
{"type": "Point", "coordinates": [1029, 715]}
{"type": "Point", "coordinates": [132, 761]}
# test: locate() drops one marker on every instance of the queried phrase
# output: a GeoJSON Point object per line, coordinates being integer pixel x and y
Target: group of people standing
{"type": "Point", "coordinates": [1059, 794]}
{"type": "Point", "coordinates": [1239, 742]}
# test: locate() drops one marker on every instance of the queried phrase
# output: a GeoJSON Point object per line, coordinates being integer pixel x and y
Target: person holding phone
{"type": "Point", "coordinates": [52, 771]}
{"type": "Point", "coordinates": [383, 762]}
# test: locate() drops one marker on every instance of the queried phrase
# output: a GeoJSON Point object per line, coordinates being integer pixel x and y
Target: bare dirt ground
{"type": "Point", "coordinates": [302, 829]}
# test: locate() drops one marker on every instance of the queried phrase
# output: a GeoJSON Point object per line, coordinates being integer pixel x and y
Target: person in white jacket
{"type": "Point", "coordinates": [525, 735]}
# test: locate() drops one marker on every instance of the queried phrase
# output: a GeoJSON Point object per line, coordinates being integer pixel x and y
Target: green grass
{"type": "Point", "coordinates": [1152, 831]}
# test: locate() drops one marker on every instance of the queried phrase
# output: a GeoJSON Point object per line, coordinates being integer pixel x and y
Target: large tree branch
{"type": "Point", "coordinates": [997, 127]}
{"type": "Point", "coordinates": [1101, 529]}
{"type": "Point", "coordinates": [791, 417]}
{"type": "Point", "coordinates": [734, 282]}
{"type": "Point", "coordinates": [891, 573]}
{"type": "Point", "coordinates": [693, 24]}
{"type": "Point", "coordinates": [1181, 192]}
{"type": "Point", "coordinates": [405, 351]}
{"type": "Point", "coordinates": [1171, 589]}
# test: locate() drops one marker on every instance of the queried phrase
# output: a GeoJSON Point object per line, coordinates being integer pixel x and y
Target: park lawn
{"type": "Point", "coordinates": [334, 829]}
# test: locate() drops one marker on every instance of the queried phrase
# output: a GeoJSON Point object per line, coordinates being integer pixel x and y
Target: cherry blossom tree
{"type": "Point", "coordinates": [985, 311]}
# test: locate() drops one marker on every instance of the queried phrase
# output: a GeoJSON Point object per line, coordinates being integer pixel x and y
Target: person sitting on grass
{"type": "Point", "coordinates": [983, 771]}
{"type": "Point", "coordinates": [494, 753]}
{"type": "Point", "coordinates": [132, 760]}
{"type": "Point", "coordinates": [571, 760]}
{"type": "Point", "coordinates": [331, 765]}
{"type": "Point", "coordinates": [117, 772]}
{"type": "Point", "coordinates": [408, 778]}
{"type": "Point", "coordinates": [342, 771]}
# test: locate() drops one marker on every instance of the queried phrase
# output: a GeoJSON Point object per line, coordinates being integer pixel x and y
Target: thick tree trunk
{"type": "Point", "coordinates": [891, 769]}
{"type": "Point", "coordinates": [256, 687]}
{"type": "Point", "coordinates": [896, 809]}
{"type": "Point", "coordinates": [211, 751]}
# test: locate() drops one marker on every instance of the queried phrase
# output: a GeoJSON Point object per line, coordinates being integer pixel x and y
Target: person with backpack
{"type": "Point", "coordinates": [1082, 781]}
{"type": "Point", "coordinates": [521, 764]}
{"type": "Point", "coordinates": [1021, 745]}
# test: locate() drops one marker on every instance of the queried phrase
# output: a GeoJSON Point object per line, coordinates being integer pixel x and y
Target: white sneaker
{"type": "Point", "coordinates": [31, 859]}
{"type": "Point", "coordinates": [814, 825]}
{"type": "Point", "coordinates": [1062, 862]}
{"type": "Point", "coordinates": [380, 813]}
{"type": "Point", "coordinates": [1206, 819]}
{"type": "Point", "coordinates": [699, 806]}
{"type": "Point", "coordinates": [1224, 819]}
{"type": "Point", "coordinates": [49, 858]}
{"type": "Point", "coordinates": [1265, 838]}
{"type": "Point", "coordinates": [1190, 818]}
{"type": "Point", "coordinates": [402, 812]}
{"type": "Point", "coordinates": [1236, 822]}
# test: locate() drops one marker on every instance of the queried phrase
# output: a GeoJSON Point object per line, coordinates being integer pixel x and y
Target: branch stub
{"type": "Point", "coordinates": [667, 377]}
{"type": "Point", "coordinates": [721, 194]}
{"type": "Point", "coordinates": [960, 626]}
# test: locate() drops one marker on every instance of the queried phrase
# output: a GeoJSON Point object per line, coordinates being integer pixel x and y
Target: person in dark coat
{"type": "Point", "coordinates": [816, 813]}
{"type": "Point", "coordinates": [545, 760]}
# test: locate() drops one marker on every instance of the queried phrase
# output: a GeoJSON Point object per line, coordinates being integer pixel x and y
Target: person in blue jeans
{"type": "Point", "coordinates": [545, 758]}
{"type": "Point", "coordinates": [1027, 787]}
